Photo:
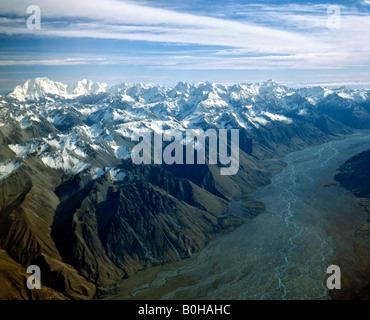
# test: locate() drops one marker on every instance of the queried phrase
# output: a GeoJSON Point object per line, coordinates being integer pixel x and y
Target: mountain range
{"type": "Point", "coordinates": [73, 203]}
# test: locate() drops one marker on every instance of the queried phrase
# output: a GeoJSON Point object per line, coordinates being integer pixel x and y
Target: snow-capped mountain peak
{"type": "Point", "coordinates": [270, 87]}
{"type": "Point", "coordinates": [96, 123]}
{"type": "Point", "coordinates": [192, 93]}
{"type": "Point", "coordinates": [85, 87]}
{"type": "Point", "coordinates": [37, 88]}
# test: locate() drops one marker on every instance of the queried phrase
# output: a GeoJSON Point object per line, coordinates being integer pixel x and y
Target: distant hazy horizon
{"type": "Point", "coordinates": [290, 85]}
{"type": "Point", "coordinates": [297, 43]}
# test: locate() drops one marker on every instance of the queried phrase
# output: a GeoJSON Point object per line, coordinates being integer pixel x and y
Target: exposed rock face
{"type": "Point", "coordinates": [26, 218]}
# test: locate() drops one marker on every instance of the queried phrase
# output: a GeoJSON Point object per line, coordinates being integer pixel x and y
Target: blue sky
{"type": "Point", "coordinates": [166, 41]}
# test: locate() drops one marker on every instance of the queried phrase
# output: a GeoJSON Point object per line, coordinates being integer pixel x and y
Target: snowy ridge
{"type": "Point", "coordinates": [90, 124]}
{"type": "Point", "coordinates": [41, 87]}
{"type": "Point", "coordinates": [64, 161]}
{"type": "Point", "coordinates": [209, 93]}
{"type": "Point", "coordinates": [8, 167]}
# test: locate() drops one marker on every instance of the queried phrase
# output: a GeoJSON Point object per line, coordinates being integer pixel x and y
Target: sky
{"type": "Point", "coordinates": [296, 43]}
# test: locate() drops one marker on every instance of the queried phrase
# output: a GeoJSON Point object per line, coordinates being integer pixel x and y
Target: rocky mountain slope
{"type": "Point", "coordinates": [72, 202]}
{"type": "Point", "coordinates": [354, 175]}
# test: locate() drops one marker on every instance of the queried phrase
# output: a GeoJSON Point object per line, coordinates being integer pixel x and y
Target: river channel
{"type": "Point", "coordinates": [283, 253]}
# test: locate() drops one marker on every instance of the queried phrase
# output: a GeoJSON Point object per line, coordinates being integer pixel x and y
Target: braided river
{"type": "Point", "coordinates": [283, 253]}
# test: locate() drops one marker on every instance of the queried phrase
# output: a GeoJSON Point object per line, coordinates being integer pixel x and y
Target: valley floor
{"type": "Point", "coordinates": [310, 222]}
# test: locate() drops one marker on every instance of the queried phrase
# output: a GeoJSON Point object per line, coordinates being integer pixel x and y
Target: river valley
{"type": "Point", "coordinates": [282, 254]}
